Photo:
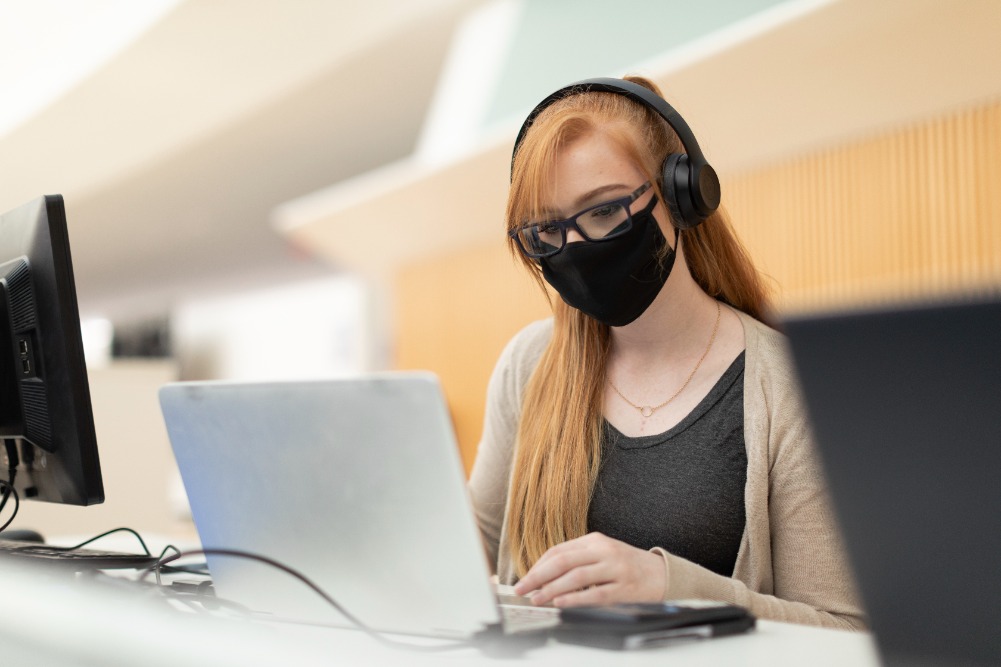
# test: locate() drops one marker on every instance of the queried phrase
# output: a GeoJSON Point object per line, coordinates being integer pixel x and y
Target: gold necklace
{"type": "Point", "coordinates": [648, 410]}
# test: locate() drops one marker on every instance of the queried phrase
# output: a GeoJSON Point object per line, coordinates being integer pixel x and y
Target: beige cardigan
{"type": "Point", "coordinates": [790, 565]}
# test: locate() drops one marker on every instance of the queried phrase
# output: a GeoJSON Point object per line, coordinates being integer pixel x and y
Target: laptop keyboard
{"type": "Point", "coordinates": [81, 559]}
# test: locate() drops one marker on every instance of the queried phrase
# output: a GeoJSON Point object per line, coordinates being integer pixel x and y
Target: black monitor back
{"type": "Point", "coordinates": [44, 392]}
{"type": "Point", "coordinates": [906, 407]}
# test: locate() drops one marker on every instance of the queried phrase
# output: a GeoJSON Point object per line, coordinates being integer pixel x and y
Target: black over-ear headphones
{"type": "Point", "coordinates": [689, 183]}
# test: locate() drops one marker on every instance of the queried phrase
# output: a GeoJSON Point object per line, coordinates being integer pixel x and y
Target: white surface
{"type": "Point", "coordinates": [79, 38]}
{"type": "Point", "coordinates": [469, 77]}
{"type": "Point", "coordinates": [315, 329]}
{"type": "Point", "coordinates": [190, 75]}
{"type": "Point", "coordinates": [57, 622]}
{"type": "Point", "coordinates": [771, 645]}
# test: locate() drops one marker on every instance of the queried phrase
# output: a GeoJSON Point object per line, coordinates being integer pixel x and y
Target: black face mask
{"type": "Point", "coordinates": [614, 281]}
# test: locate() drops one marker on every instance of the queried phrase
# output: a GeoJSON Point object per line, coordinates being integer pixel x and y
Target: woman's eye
{"type": "Point", "coordinates": [604, 211]}
{"type": "Point", "coordinates": [548, 228]}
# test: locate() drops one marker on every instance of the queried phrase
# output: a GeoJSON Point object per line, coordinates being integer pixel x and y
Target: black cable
{"type": "Point", "coordinates": [13, 461]}
{"type": "Point", "coordinates": [201, 594]}
{"type": "Point", "coordinates": [138, 537]}
{"type": "Point", "coordinates": [194, 569]}
{"type": "Point", "coordinates": [169, 547]}
{"type": "Point", "coordinates": [8, 486]}
{"type": "Point", "coordinates": [200, 568]}
{"type": "Point", "coordinates": [105, 534]}
{"type": "Point", "coordinates": [17, 501]}
{"type": "Point", "coordinates": [315, 588]}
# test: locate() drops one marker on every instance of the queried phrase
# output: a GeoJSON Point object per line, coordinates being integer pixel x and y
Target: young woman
{"type": "Point", "coordinates": [646, 442]}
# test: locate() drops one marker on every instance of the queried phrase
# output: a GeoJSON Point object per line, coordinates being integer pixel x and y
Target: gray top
{"type": "Point", "coordinates": [791, 565]}
{"type": "Point", "coordinates": [683, 489]}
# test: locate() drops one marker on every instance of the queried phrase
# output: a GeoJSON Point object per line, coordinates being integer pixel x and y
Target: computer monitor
{"type": "Point", "coordinates": [46, 420]}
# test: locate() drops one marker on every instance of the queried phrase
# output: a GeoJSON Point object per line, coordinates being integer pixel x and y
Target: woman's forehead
{"type": "Point", "coordinates": [592, 156]}
{"type": "Point", "coordinates": [586, 169]}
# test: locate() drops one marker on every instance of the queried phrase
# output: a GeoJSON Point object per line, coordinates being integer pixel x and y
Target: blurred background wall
{"type": "Point", "coordinates": [263, 190]}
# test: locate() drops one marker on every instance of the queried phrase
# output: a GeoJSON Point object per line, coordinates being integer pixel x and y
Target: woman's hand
{"type": "Point", "coordinates": [592, 570]}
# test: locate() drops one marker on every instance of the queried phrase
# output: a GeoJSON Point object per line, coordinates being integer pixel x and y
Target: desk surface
{"type": "Point", "coordinates": [771, 645]}
{"type": "Point", "coordinates": [50, 622]}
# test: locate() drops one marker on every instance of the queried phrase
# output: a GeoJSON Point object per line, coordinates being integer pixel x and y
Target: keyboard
{"type": "Point", "coordinates": [79, 559]}
{"type": "Point", "coordinates": [519, 614]}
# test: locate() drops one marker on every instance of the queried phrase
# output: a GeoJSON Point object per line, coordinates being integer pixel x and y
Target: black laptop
{"type": "Point", "coordinates": [906, 407]}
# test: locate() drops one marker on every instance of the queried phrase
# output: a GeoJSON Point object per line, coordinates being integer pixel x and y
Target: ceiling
{"type": "Point", "coordinates": [802, 77]}
{"type": "Point", "coordinates": [179, 154]}
{"type": "Point", "coordinates": [172, 155]}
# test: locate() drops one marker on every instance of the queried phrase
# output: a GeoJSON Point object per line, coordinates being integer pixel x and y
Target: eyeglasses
{"type": "Point", "coordinates": [598, 223]}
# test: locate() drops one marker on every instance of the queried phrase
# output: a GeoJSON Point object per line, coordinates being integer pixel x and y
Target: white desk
{"type": "Point", "coordinates": [65, 621]}
{"type": "Point", "coordinates": [771, 645]}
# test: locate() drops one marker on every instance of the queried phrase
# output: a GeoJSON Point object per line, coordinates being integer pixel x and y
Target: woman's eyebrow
{"type": "Point", "coordinates": [593, 195]}
{"type": "Point", "coordinates": [584, 200]}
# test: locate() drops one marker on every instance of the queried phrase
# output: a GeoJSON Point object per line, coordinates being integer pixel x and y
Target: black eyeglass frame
{"type": "Point", "coordinates": [571, 223]}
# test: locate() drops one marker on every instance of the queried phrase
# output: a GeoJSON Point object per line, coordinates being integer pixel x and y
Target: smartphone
{"type": "Point", "coordinates": [642, 625]}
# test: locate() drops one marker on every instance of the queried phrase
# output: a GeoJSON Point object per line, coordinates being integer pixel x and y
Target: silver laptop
{"type": "Point", "coordinates": [906, 406]}
{"type": "Point", "coordinates": [355, 483]}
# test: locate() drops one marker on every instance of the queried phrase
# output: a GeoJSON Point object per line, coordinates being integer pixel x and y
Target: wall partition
{"type": "Point", "coordinates": [907, 214]}
{"type": "Point", "coordinates": [913, 213]}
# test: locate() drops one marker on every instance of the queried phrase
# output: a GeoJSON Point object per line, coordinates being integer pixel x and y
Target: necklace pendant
{"type": "Point", "coordinates": [646, 411]}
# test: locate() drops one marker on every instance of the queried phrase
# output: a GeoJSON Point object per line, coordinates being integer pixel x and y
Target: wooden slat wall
{"type": "Point", "coordinates": [909, 214]}
{"type": "Point", "coordinates": [454, 315]}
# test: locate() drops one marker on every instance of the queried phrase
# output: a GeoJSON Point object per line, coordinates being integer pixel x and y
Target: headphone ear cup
{"type": "Point", "coordinates": [669, 185]}
{"type": "Point", "coordinates": [678, 193]}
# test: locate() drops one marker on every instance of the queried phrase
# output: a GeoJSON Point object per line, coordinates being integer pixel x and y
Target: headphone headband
{"type": "Point", "coordinates": [689, 176]}
{"type": "Point", "coordinates": [633, 91]}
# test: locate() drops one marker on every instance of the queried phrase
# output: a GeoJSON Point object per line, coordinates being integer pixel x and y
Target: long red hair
{"type": "Point", "coordinates": [559, 435]}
